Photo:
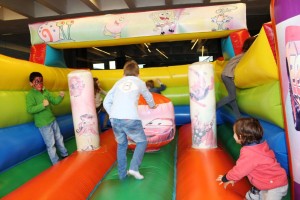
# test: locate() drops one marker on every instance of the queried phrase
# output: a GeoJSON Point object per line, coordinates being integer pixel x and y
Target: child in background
{"type": "Point", "coordinates": [98, 92]}
{"type": "Point", "coordinates": [121, 103]}
{"type": "Point", "coordinates": [256, 161]}
{"type": "Point", "coordinates": [150, 86]}
{"type": "Point", "coordinates": [38, 102]}
{"type": "Point", "coordinates": [228, 79]}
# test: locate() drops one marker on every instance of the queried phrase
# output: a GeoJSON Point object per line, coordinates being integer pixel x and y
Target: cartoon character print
{"type": "Point", "coordinates": [114, 28]}
{"type": "Point", "coordinates": [292, 50]}
{"type": "Point", "coordinates": [160, 126]}
{"type": "Point", "coordinates": [86, 128]}
{"type": "Point", "coordinates": [55, 31]}
{"type": "Point", "coordinates": [203, 132]}
{"type": "Point", "coordinates": [209, 138]}
{"type": "Point", "coordinates": [164, 21]}
{"type": "Point", "coordinates": [76, 86]}
{"type": "Point", "coordinates": [200, 88]}
{"type": "Point", "coordinates": [221, 19]}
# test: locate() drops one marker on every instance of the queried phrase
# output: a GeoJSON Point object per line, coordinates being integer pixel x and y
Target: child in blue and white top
{"type": "Point", "coordinates": [121, 103]}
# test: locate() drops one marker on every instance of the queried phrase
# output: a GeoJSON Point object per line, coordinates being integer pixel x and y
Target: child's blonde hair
{"type": "Point", "coordinates": [131, 68]}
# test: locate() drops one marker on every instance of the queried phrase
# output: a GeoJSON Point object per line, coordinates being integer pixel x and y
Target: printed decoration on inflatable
{"type": "Point", "coordinates": [292, 40]}
{"type": "Point", "coordinates": [84, 115]}
{"type": "Point", "coordinates": [159, 123]}
{"type": "Point", "coordinates": [202, 105]}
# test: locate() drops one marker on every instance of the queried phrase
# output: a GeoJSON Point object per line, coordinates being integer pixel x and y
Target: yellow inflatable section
{"type": "Point", "coordinates": [14, 85]}
{"type": "Point", "coordinates": [258, 66]}
{"type": "Point", "coordinates": [175, 77]}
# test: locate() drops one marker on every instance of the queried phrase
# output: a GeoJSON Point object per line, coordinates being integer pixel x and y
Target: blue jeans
{"type": "Point", "coordinates": [53, 138]}
{"type": "Point", "coordinates": [133, 129]}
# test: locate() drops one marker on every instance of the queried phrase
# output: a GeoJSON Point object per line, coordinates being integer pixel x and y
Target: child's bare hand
{"type": "Point", "coordinates": [220, 179]}
{"type": "Point", "coordinates": [226, 183]}
{"type": "Point", "coordinates": [62, 93]}
{"type": "Point", "coordinates": [158, 81]}
{"type": "Point", "coordinates": [45, 102]}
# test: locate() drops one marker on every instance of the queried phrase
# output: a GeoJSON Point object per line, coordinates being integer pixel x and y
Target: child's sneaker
{"type": "Point", "coordinates": [136, 174]}
{"type": "Point", "coordinates": [253, 194]}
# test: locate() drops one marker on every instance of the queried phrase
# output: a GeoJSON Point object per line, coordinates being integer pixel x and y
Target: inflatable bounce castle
{"type": "Point", "coordinates": [180, 163]}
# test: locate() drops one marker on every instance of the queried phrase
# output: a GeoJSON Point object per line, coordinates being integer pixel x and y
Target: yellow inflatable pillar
{"type": "Point", "coordinates": [85, 119]}
{"type": "Point", "coordinates": [202, 105]}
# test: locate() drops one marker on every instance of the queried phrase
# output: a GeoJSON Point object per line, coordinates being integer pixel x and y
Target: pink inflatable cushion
{"type": "Point", "coordinates": [159, 125]}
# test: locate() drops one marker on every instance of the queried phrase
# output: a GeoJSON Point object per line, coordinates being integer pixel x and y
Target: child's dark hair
{"type": "Point", "coordinates": [150, 84]}
{"type": "Point", "coordinates": [247, 43]}
{"type": "Point", "coordinates": [96, 86]}
{"type": "Point", "coordinates": [33, 75]}
{"type": "Point", "coordinates": [131, 68]}
{"type": "Point", "coordinates": [248, 130]}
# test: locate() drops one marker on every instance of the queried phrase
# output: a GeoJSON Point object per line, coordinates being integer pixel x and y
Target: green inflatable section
{"type": "Point", "coordinates": [13, 104]}
{"type": "Point", "coordinates": [159, 171]}
{"type": "Point", "coordinates": [178, 95]}
{"type": "Point", "coordinates": [262, 101]}
{"type": "Point", "coordinates": [23, 172]}
{"type": "Point", "coordinates": [225, 135]}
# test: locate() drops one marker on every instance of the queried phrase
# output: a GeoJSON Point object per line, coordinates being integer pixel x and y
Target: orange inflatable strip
{"type": "Point", "coordinates": [158, 98]}
{"type": "Point", "coordinates": [198, 169]}
{"type": "Point", "coordinates": [72, 178]}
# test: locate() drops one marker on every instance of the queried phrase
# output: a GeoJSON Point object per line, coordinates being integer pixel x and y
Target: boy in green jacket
{"type": "Point", "coordinates": [38, 102]}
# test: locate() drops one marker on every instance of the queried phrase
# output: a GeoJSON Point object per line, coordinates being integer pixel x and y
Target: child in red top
{"type": "Point", "coordinates": [256, 161]}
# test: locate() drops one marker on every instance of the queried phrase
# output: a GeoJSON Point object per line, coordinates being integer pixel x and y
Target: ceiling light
{"type": "Point", "coordinates": [162, 54]}
{"type": "Point", "coordinates": [147, 47]}
{"type": "Point", "coordinates": [194, 44]}
{"type": "Point", "coordinates": [101, 50]}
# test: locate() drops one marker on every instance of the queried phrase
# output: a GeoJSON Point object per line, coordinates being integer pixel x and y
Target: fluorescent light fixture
{"type": "Point", "coordinates": [101, 50]}
{"type": "Point", "coordinates": [162, 53]}
{"type": "Point", "coordinates": [147, 47]}
{"type": "Point", "coordinates": [194, 44]}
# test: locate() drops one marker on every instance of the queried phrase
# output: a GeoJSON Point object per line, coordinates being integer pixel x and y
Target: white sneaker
{"type": "Point", "coordinates": [136, 174]}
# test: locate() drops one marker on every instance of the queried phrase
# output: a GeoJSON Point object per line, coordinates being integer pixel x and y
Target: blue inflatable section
{"type": "Point", "coordinates": [21, 142]}
{"type": "Point", "coordinates": [54, 57]}
{"type": "Point", "coordinates": [274, 135]}
{"type": "Point", "coordinates": [227, 48]}
{"type": "Point", "coordinates": [182, 115]}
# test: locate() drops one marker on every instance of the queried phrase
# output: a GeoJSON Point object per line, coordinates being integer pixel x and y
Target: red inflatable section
{"type": "Point", "coordinates": [38, 53]}
{"type": "Point", "coordinates": [78, 174]}
{"type": "Point", "coordinates": [237, 39]}
{"type": "Point", "coordinates": [159, 123]}
{"type": "Point", "coordinates": [198, 169]}
{"type": "Point", "coordinates": [271, 37]}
